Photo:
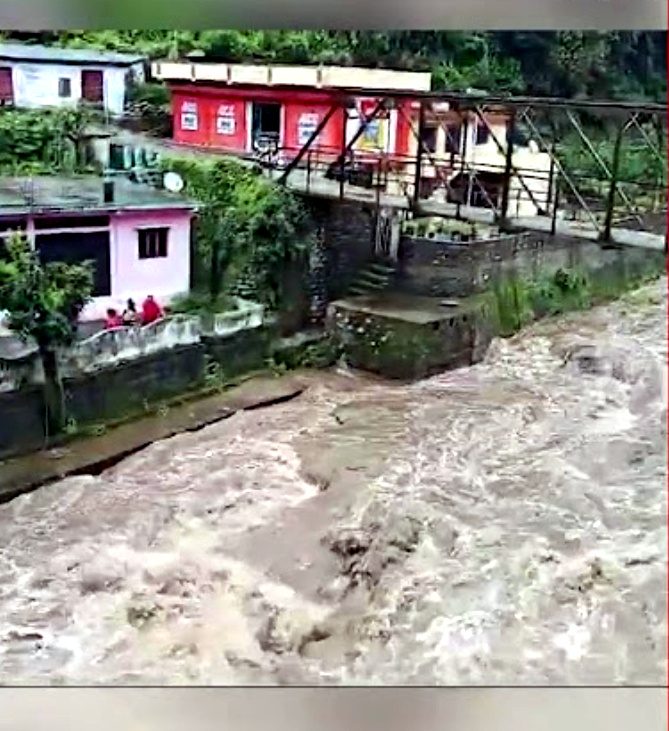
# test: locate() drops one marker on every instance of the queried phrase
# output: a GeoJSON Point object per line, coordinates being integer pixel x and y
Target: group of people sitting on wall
{"type": "Point", "coordinates": [151, 311]}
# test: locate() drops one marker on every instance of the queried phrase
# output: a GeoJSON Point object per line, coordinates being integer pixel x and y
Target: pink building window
{"type": "Point", "coordinates": [153, 243]}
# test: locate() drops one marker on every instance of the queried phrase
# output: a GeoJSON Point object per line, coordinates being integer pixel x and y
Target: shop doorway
{"type": "Point", "coordinates": [266, 126]}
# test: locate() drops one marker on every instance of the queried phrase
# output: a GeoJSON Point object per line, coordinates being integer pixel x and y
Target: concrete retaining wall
{"type": "Point", "coordinates": [345, 243]}
{"type": "Point", "coordinates": [131, 387]}
{"type": "Point", "coordinates": [400, 347]}
{"type": "Point", "coordinates": [400, 334]}
{"type": "Point", "coordinates": [21, 421]}
{"type": "Point", "coordinates": [123, 388]}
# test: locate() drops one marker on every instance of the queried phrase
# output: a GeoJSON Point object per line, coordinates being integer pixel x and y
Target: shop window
{"type": "Point", "coordinates": [453, 139]}
{"type": "Point", "coordinates": [266, 130]}
{"type": "Point", "coordinates": [225, 120]}
{"type": "Point", "coordinates": [482, 134]}
{"type": "Point", "coordinates": [429, 139]}
{"type": "Point", "coordinates": [189, 120]}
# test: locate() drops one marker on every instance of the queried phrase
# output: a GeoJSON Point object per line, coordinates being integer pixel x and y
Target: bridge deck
{"type": "Point", "coordinates": [322, 187]}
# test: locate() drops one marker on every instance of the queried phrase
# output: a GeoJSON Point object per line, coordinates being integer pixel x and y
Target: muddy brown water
{"type": "Point", "coordinates": [500, 524]}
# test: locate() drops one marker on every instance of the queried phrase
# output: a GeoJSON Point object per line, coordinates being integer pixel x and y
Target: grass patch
{"type": "Point", "coordinates": [517, 302]}
{"type": "Point", "coordinates": [200, 303]}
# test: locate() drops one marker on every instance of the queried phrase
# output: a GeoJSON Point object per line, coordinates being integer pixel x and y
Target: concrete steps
{"type": "Point", "coordinates": [374, 277]}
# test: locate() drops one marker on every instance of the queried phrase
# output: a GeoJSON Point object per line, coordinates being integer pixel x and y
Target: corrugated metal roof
{"type": "Point", "coordinates": [53, 54]}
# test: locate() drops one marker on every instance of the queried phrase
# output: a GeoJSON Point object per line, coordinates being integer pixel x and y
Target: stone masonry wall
{"type": "Point", "coordinates": [430, 268]}
{"type": "Point", "coordinates": [346, 242]}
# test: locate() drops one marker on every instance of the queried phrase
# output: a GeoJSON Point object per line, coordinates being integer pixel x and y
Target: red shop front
{"type": "Point", "coordinates": [238, 119]}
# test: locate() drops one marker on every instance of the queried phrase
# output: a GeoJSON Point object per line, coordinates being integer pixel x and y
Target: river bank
{"type": "Point", "coordinates": [93, 454]}
{"type": "Point", "coordinates": [504, 523]}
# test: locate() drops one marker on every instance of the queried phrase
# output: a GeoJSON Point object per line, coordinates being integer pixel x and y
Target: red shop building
{"type": "Point", "coordinates": [242, 109]}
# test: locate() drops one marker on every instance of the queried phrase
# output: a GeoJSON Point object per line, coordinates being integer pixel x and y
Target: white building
{"type": "Point", "coordinates": [468, 151]}
{"type": "Point", "coordinates": [39, 76]}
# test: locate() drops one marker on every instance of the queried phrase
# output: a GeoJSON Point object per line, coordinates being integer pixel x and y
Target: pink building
{"type": "Point", "coordinates": [138, 237]}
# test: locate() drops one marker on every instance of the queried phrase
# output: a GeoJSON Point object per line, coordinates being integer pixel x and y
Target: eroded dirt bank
{"type": "Point", "coordinates": [504, 523]}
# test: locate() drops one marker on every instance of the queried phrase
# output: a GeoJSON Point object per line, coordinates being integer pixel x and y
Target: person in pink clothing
{"type": "Point", "coordinates": [151, 311]}
{"type": "Point", "coordinates": [113, 320]}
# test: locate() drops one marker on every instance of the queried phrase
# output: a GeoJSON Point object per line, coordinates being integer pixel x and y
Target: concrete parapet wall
{"type": "Point", "coordinates": [110, 347]}
{"type": "Point", "coordinates": [17, 373]}
{"type": "Point", "coordinates": [248, 316]}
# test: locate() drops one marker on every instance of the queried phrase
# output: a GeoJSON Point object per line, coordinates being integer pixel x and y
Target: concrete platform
{"type": "Point", "coordinates": [405, 337]}
{"type": "Point", "coordinates": [406, 307]}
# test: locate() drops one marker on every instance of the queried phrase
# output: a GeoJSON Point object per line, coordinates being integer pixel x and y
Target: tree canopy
{"type": "Point", "coordinates": [612, 64]}
{"type": "Point", "coordinates": [43, 301]}
{"type": "Point", "coordinates": [246, 226]}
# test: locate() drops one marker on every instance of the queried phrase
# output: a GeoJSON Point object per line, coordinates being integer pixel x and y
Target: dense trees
{"type": "Point", "coordinates": [616, 64]}
{"type": "Point", "coordinates": [246, 228]}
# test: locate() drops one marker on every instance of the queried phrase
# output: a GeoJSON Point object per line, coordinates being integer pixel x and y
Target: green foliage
{"type": "Point", "coordinates": [198, 303]}
{"type": "Point", "coordinates": [246, 226]}
{"type": "Point", "coordinates": [605, 65]}
{"type": "Point", "coordinates": [612, 64]}
{"type": "Point", "coordinates": [150, 103]}
{"type": "Point", "coordinates": [642, 170]}
{"type": "Point", "coordinates": [149, 94]}
{"type": "Point", "coordinates": [486, 72]}
{"type": "Point", "coordinates": [214, 376]}
{"type": "Point", "coordinates": [43, 301]}
{"type": "Point", "coordinates": [518, 302]}
{"type": "Point", "coordinates": [42, 141]}
{"type": "Point", "coordinates": [319, 354]}
{"type": "Point", "coordinates": [513, 306]}
{"type": "Point", "coordinates": [563, 291]}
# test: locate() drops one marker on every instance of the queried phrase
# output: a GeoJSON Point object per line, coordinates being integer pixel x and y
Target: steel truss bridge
{"type": "Point", "coordinates": [607, 179]}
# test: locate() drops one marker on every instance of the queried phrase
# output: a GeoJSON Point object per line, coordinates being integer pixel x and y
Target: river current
{"type": "Point", "coordinates": [500, 524]}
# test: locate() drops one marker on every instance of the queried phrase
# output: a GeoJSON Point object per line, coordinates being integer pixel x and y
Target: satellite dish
{"type": "Point", "coordinates": [173, 182]}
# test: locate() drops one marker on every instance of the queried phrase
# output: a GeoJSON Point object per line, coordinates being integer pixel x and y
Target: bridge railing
{"type": "Point", "coordinates": [533, 189]}
{"type": "Point", "coordinates": [367, 174]}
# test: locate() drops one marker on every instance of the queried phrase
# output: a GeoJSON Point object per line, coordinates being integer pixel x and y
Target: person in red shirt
{"type": "Point", "coordinates": [150, 311]}
{"type": "Point", "coordinates": [113, 320]}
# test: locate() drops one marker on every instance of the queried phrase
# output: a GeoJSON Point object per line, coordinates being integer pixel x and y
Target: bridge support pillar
{"type": "Point", "coordinates": [503, 216]}
{"type": "Point", "coordinates": [611, 201]}
{"type": "Point", "coordinates": [387, 232]}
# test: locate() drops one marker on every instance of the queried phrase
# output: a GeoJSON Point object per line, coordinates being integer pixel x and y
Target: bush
{"type": "Point", "coordinates": [44, 141]}
{"type": "Point", "coordinates": [248, 229]}
{"type": "Point", "coordinates": [197, 303]}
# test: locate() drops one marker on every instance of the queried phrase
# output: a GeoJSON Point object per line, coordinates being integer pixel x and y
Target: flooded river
{"type": "Point", "coordinates": [500, 524]}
